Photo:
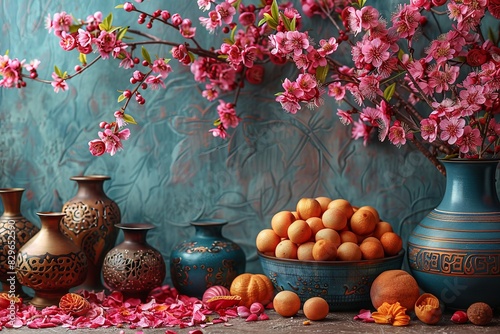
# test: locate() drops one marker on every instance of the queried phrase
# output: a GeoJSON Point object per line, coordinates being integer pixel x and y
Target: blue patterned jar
{"type": "Point", "coordinates": [454, 252]}
{"type": "Point", "coordinates": [205, 260]}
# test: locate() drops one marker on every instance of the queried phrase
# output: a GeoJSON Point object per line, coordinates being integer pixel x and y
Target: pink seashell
{"type": "Point", "coordinates": [215, 291]}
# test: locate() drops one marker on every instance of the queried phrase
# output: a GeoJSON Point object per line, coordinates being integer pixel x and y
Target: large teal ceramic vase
{"type": "Point", "coordinates": [454, 252]}
{"type": "Point", "coordinates": [205, 260]}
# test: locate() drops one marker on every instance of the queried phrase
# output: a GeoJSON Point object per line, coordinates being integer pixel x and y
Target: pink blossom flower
{"type": "Point", "coordinates": [204, 4]}
{"type": "Point", "coordinates": [470, 140]}
{"type": "Point", "coordinates": [397, 134]}
{"type": "Point", "coordinates": [162, 67]}
{"type": "Point", "coordinates": [369, 86]}
{"type": "Point", "coordinates": [375, 52]}
{"type": "Point", "coordinates": [428, 128]}
{"type": "Point", "coordinates": [97, 147]}
{"type": "Point", "coordinates": [451, 129]}
{"type": "Point", "coordinates": [226, 12]}
{"type": "Point", "coordinates": [212, 21]}
{"type": "Point", "coordinates": [84, 38]}
{"type": "Point", "coordinates": [406, 21]}
{"type": "Point", "coordinates": [58, 83]}
{"type": "Point", "coordinates": [219, 132]}
{"type": "Point", "coordinates": [361, 130]}
{"type": "Point", "coordinates": [336, 90]}
{"type": "Point", "coordinates": [67, 41]}
{"type": "Point", "coordinates": [113, 140]}
{"type": "Point", "coordinates": [227, 115]}
{"type": "Point", "coordinates": [155, 81]}
{"type": "Point", "coordinates": [345, 117]}
{"type": "Point", "coordinates": [186, 28]}
{"type": "Point", "coordinates": [296, 42]}
{"type": "Point", "coordinates": [105, 43]}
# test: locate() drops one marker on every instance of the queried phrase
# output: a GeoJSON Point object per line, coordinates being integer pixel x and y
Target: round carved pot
{"type": "Point", "coordinates": [15, 231]}
{"type": "Point", "coordinates": [454, 252]}
{"type": "Point", "coordinates": [49, 263]}
{"type": "Point", "coordinates": [90, 222]}
{"type": "Point", "coordinates": [205, 260]}
{"type": "Point", "coordinates": [134, 267]}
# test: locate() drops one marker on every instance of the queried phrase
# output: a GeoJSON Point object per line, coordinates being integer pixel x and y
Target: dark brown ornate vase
{"type": "Point", "coordinates": [134, 267]}
{"type": "Point", "coordinates": [89, 222]}
{"type": "Point", "coordinates": [15, 231]}
{"type": "Point", "coordinates": [49, 263]}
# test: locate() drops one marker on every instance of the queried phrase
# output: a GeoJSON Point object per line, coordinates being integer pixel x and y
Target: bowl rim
{"type": "Point", "coordinates": [332, 263]}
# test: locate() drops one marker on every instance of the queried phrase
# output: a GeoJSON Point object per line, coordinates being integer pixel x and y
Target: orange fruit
{"type": "Point", "coordinates": [392, 243]}
{"type": "Point", "coordinates": [395, 286]}
{"type": "Point", "coordinates": [324, 250]}
{"type": "Point", "coordinates": [323, 201]}
{"type": "Point", "coordinates": [381, 228]}
{"type": "Point", "coordinates": [295, 214]}
{"type": "Point", "coordinates": [316, 224]}
{"type": "Point", "coordinates": [363, 222]}
{"type": "Point", "coordinates": [281, 221]}
{"type": "Point", "coordinates": [370, 239]}
{"type": "Point", "coordinates": [373, 210]}
{"type": "Point", "coordinates": [286, 250]}
{"type": "Point", "coordinates": [316, 308]}
{"type": "Point", "coordinates": [328, 234]}
{"type": "Point", "coordinates": [308, 207]}
{"type": "Point", "coordinates": [299, 231]}
{"type": "Point", "coordinates": [349, 251]}
{"type": "Point", "coordinates": [348, 236]}
{"type": "Point", "coordinates": [266, 241]}
{"type": "Point", "coordinates": [252, 288]}
{"type": "Point", "coordinates": [371, 250]}
{"type": "Point", "coordinates": [304, 251]}
{"type": "Point", "coordinates": [343, 205]}
{"type": "Point", "coordinates": [334, 218]}
{"type": "Point", "coordinates": [286, 303]}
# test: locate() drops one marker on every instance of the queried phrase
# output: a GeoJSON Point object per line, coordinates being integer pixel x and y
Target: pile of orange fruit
{"type": "Point", "coordinates": [324, 229]}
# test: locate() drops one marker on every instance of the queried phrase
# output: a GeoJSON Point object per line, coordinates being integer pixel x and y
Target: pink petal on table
{"type": "Point", "coordinates": [252, 317]}
{"type": "Point", "coordinates": [364, 316]}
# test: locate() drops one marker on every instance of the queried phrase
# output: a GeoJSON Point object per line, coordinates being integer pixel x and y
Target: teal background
{"type": "Point", "coordinates": [172, 170]}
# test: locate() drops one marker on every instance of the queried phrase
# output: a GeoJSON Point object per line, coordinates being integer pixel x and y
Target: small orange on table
{"type": "Point", "coordinates": [286, 303]}
{"type": "Point", "coordinates": [316, 308]}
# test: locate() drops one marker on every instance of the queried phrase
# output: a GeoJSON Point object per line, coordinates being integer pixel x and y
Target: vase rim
{"type": "Point", "coordinates": [92, 177]}
{"type": "Point", "coordinates": [51, 214]}
{"type": "Point", "coordinates": [209, 222]}
{"type": "Point", "coordinates": [135, 226]}
{"type": "Point", "coordinates": [5, 190]}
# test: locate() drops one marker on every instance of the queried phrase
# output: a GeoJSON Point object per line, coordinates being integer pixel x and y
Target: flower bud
{"type": "Point", "coordinates": [128, 6]}
{"type": "Point", "coordinates": [459, 317]}
{"type": "Point", "coordinates": [256, 308]}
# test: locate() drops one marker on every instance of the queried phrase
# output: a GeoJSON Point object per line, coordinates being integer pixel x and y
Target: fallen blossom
{"type": "Point", "coordinates": [364, 316]}
{"type": "Point", "coordinates": [252, 317]}
{"type": "Point", "coordinates": [164, 307]}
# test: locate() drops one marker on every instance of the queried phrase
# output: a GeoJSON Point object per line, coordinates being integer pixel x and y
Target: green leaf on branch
{"type": "Point", "coordinates": [107, 23]}
{"type": "Point", "coordinates": [321, 73]}
{"type": "Point", "coordinates": [271, 22]}
{"type": "Point", "coordinates": [60, 73]}
{"type": "Point", "coordinates": [389, 91]}
{"type": "Point", "coordinates": [233, 32]}
{"type": "Point", "coordinates": [129, 119]}
{"type": "Point", "coordinates": [120, 6]}
{"type": "Point", "coordinates": [145, 55]}
{"type": "Point", "coordinates": [275, 11]}
{"type": "Point", "coordinates": [121, 33]}
{"type": "Point", "coordinates": [83, 58]}
{"type": "Point", "coordinates": [121, 98]}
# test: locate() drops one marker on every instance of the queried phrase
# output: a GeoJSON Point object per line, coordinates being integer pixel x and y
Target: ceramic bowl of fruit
{"type": "Point", "coordinates": [330, 249]}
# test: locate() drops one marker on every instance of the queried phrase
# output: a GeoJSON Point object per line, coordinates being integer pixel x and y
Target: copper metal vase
{"type": "Point", "coordinates": [15, 231]}
{"type": "Point", "coordinates": [90, 219]}
{"type": "Point", "coordinates": [49, 263]}
{"type": "Point", "coordinates": [134, 267]}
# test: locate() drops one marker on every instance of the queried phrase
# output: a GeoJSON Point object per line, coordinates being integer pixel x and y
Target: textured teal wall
{"type": "Point", "coordinates": [173, 170]}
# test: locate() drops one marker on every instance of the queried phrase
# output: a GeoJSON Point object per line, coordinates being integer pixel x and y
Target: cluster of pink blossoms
{"type": "Point", "coordinates": [443, 93]}
{"type": "Point", "coordinates": [394, 76]}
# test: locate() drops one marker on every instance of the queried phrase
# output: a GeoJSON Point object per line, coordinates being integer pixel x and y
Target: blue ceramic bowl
{"type": "Point", "coordinates": [345, 285]}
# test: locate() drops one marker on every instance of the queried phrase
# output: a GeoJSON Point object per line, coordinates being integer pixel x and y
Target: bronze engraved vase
{"type": "Point", "coordinates": [134, 267]}
{"type": "Point", "coordinates": [89, 222]}
{"type": "Point", "coordinates": [49, 263]}
{"type": "Point", "coordinates": [15, 231]}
